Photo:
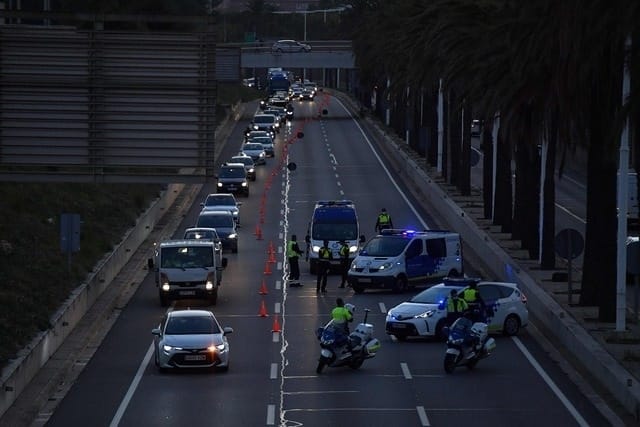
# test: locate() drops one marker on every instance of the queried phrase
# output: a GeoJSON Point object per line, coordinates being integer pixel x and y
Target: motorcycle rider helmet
{"type": "Point", "coordinates": [350, 307]}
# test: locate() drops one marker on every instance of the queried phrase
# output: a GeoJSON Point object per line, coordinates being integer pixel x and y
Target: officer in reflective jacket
{"type": "Point", "coordinates": [293, 252]}
{"type": "Point", "coordinates": [384, 221]}
{"type": "Point", "coordinates": [476, 305]}
{"type": "Point", "coordinates": [344, 262]}
{"type": "Point", "coordinates": [324, 256]}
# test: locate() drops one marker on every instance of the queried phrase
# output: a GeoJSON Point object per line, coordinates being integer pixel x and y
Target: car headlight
{"type": "Point", "coordinates": [261, 154]}
{"type": "Point", "coordinates": [353, 249]}
{"type": "Point", "coordinates": [424, 315]}
{"type": "Point", "coordinates": [209, 285]}
{"type": "Point", "coordinates": [255, 127]}
{"type": "Point", "coordinates": [251, 170]}
{"type": "Point", "coordinates": [220, 348]}
{"type": "Point", "coordinates": [219, 184]}
{"type": "Point", "coordinates": [244, 184]}
{"type": "Point", "coordinates": [386, 266]}
{"type": "Point", "coordinates": [168, 348]}
{"type": "Point", "coordinates": [166, 287]}
{"type": "Point", "coordinates": [232, 236]}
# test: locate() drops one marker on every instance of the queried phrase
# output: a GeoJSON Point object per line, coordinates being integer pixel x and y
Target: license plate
{"type": "Point", "coordinates": [195, 357]}
{"type": "Point", "coordinates": [399, 325]}
{"type": "Point", "coordinates": [364, 280]}
{"type": "Point", "coordinates": [186, 293]}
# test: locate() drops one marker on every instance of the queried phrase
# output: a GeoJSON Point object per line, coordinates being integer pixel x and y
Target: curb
{"type": "Point", "coordinates": [31, 359]}
{"type": "Point", "coordinates": [554, 319]}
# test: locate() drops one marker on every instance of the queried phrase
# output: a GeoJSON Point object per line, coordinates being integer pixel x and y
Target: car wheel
{"type": "Point", "coordinates": [400, 285]}
{"type": "Point", "coordinates": [222, 368]}
{"type": "Point", "coordinates": [322, 362]}
{"type": "Point", "coordinates": [511, 325]}
{"type": "Point", "coordinates": [400, 337]}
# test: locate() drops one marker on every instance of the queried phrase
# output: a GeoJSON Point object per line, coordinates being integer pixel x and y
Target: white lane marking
{"type": "Point", "coordinates": [278, 284]}
{"type": "Point", "coordinates": [568, 212]}
{"type": "Point", "coordinates": [395, 184]}
{"type": "Point", "coordinates": [333, 159]}
{"type": "Point", "coordinates": [567, 404]}
{"type": "Point", "coordinates": [405, 371]}
{"type": "Point", "coordinates": [279, 266]}
{"type": "Point", "coordinates": [132, 388]}
{"type": "Point", "coordinates": [276, 337]}
{"type": "Point", "coordinates": [383, 308]}
{"type": "Point", "coordinates": [276, 309]}
{"type": "Point", "coordinates": [274, 371]}
{"type": "Point", "coordinates": [271, 415]}
{"type": "Point", "coordinates": [424, 420]}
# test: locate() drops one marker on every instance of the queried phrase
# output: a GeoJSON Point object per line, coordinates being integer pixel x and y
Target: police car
{"type": "Point", "coordinates": [398, 259]}
{"type": "Point", "coordinates": [425, 314]}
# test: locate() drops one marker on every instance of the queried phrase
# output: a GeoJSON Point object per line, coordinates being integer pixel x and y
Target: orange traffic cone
{"type": "Point", "coordinates": [258, 233]}
{"type": "Point", "coordinates": [263, 288]}
{"type": "Point", "coordinates": [271, 248]}
{"type": "Point", "coordinates": [263, 310]}
{"type": "Point", "coordinates": [272, 258]}
{"type": "Point", "coordinates": [267, 268]}
{"type": "Point", "coordinates": [276, 324]}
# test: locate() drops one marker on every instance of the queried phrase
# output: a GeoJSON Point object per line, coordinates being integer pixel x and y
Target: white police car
{"type": "Point", "coordinates": [425, 314]}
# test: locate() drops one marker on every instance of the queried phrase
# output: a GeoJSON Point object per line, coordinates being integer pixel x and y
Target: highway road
{"type": "Point", "coordinates": [272, 379]}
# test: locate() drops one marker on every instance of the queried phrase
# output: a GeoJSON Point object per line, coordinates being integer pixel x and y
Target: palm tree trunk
{"type": "Point", "coordinates": [486, 145]}
{"type": "Point", "coordinates": [464, 176]}
{"type": "Point", "coordinates": [503, 207]}
{"type": "Point", "coordinates": [547, 253]}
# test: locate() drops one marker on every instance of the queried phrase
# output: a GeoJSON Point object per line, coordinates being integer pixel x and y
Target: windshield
{"type": "Point", "coordinates": [435, 295]}
{"type": "Point", "coordinates": [186, 257]}
{"type": "Point", "coordinates": [385, 246]}
{"type": "Point", "coordinates": [230, 172]}
{"type": "Point", "coordinates": [244, 160]}
{"type": "Point", "coordinates": [262, 140]}
{"type": "Point", "coordinates": [252, 146]}
{"type": "Point", "coordinates": [335, 231]}
{"type": "Point", "coordinates": [226, 200]}
{"type": "Point", "coordinates": [264, 119]}
{"type": "Point", "coordinates": [215, 221]}
{"type": "Point", "coordinates": [191, 325]}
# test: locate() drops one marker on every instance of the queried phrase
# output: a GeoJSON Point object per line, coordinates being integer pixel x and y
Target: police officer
{"type": "Point", "coordinates": [324, 256]}
{"type": "Point", "coordinates": [341, 317]}
{"type": "Point", "coordinates": [384, 221]}
{"type": "Point", "coordinates": [344, 261]}
{"type": "Point", "coordinates": [455, 307]}
{"type": "Point", "coordinates": [472, 297]}
{"type": "Point", "coordinates": [293, 252]}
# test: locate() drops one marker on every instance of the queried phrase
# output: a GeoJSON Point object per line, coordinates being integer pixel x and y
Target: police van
{"type": "Point", "coordinates": [333, 220]}
{"type": "Point", "coordinates": [397, 259]}
{"type": "Point", "coordinates": [186, 269]}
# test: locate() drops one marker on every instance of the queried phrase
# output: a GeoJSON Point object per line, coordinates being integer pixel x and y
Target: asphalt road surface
{"type": "Point", "coordinates": [272, 379]}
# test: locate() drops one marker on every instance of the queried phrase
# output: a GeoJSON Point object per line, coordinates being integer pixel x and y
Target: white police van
{"type": "Point", "coordinates": [398, 259]}
{"type": "Point", "coordinates": [333, 220]}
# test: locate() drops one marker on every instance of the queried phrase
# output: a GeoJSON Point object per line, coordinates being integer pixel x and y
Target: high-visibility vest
{"type": "Point", "coordinates": [470, 295]}
{"type": "Point", "coordinates": [291, 253]}
{"type": "Point", "coordinates": [384, 219]}
{"type": "Point", "coordinates": [456, 305]}
{"type": "Point", "coordinates": [344, 251]}
{"type": "Point", "coordinates": [324, 253]}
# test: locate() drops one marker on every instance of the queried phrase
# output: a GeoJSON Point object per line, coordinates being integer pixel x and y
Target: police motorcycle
{"type": "Point", "coordinates": [468, 342]}
{"type": "Point", "coordinates": [339, 349]}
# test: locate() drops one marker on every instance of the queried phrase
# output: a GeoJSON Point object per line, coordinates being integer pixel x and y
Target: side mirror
{"type": "Point", "coordinates": [156, 332]}
{"type": "Point", "coordinates": [150, 263]}
{"type": "Point", "coordinates": [227, 330]}
{"type": "Point", "coordinates": [202, 205]}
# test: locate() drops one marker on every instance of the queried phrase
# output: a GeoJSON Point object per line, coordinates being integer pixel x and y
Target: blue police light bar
{"type": "Point", "coordinates": [334, 203]}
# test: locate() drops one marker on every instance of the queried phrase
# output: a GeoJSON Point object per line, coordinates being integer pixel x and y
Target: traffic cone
{"type": "Point", "coordinates": [276, 324]}
{"type": "Point", "coordinates": [272, 258]}
{"type": "Point", "coordinates": [263, 288]}
{"type": "Point", "coordinates": [267, 268]}
{"type": "Point", "coordinates": [271, 248]}
{"type": "Point", "coordinates": [263, 310]}
{"type": "Point", "coordinates": [258, 233]}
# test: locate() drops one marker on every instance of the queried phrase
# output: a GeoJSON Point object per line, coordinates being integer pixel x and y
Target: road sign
{"type": "Point", "coordinates": [569, 244]}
